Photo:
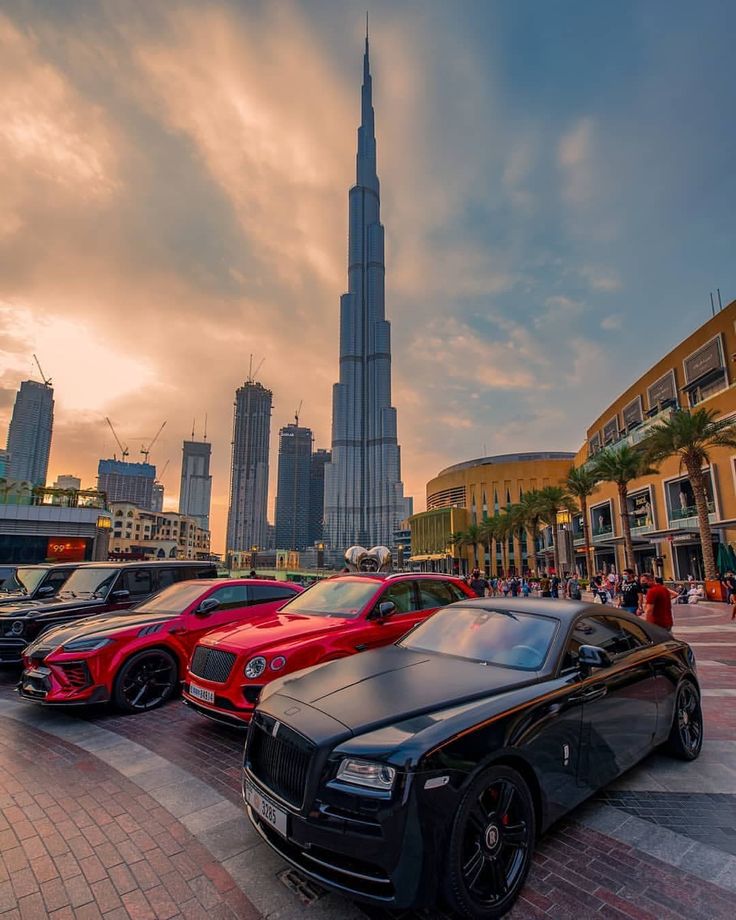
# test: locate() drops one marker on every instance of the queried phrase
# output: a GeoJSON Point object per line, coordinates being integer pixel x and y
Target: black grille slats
{"type": "Point", "coordinates": [281, 763]}
{"type": "Point", "coordinates": [212, 664]}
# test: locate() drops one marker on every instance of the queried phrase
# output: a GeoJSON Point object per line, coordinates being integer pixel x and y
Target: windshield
{"type": "Point", "coordinates": [92, 582]}
{"type": "Point", "coordinates": [23, 581]}
{"type": "Point", "coordinates": [514, 640]}
{"type": "Point", "coordinates": [174, 600]}
{"type": "Point", "coordinates": [344, 597]}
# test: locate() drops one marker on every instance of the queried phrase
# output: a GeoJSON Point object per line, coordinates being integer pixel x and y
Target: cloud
{"type": "Point", "coordinates": [601, 279]}
{"type": "Point", "coordinates": [612, 322]}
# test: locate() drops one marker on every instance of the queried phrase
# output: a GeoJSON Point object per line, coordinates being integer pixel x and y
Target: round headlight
{"type": "Point", "coordinates": [16, 627]}
{"type": "Point", "coordinates": [278, 662]}
{"type": "Point", "coordinates": [255, 667]}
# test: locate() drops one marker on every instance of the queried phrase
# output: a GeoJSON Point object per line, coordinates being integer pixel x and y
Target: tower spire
{"type": "Point", "coordinates": [366, 174]}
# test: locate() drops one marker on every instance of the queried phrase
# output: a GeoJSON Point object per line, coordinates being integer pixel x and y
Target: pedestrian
{"type": "Point", "coordinates": [514, 587]}
{"type": "Point", "coordinates": [631, 593]}
{"type": "Point", "coordinates": [525, 587]}
{"type": "Point", "coordinates": [657, 602]}
{"type": "Point", "coordinates": [730, 582]}
{"type": "Point", "coordinates": [555, 586]}
{"type": "Point", "coordinates": [477, 583]}
{"type": "Point", "coordinates": [252, 574]}
{"type": "Point", "coordinates": [573, 588]}
{"type": "Point", "coordinates": [545, 586]}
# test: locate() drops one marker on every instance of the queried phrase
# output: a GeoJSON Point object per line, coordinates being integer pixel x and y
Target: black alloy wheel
{"type": "Point", "coordinates": [491, 845]}
{"type": "Point", "coordinates": [146, 680]}
{"type": "Point", "coordinates": [686, 734]}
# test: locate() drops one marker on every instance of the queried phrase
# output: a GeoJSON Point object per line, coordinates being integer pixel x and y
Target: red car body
{"type": "Point", "coordinates": [137, 657]}
{"type": "Point", "coordinates": [334, 618]}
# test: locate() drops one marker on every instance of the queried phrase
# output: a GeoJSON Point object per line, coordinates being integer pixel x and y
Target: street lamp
{"type": "Point", "coordinates": [563, 522]}
{"type": "Point", "coordinates": [320, 555]}
{"type": "Point", "coordinates": [400, 557]}
{"type": "Point", "coordinates": [253, 556]}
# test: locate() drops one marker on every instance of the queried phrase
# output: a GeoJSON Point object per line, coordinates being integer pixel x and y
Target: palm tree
{"type": "Point", "coordinates": [488, 533]}
{"type": "Point", "coordinates": [471, 537]}
{"type": "Point", "coordinates": [691, 436]}
{"type": "Point", "coordinates": [503, 526]}
{"type": "Point", "coordinates": [552, 500]}
{"type": "Point", "coordinates": [581, 482]}
{"type": "Point", "coordinates": [529, 514]}
{"type": "Point", "coordinates": [621, 465]}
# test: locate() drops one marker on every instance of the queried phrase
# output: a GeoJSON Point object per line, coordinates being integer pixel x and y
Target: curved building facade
{"type": "Point", "coordinates": [699, 372]}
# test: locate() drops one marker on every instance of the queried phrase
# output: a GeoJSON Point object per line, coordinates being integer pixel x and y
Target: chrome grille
{"type": "Point", "coordinates": [212, 664]}
{"type": "Point", "coordinates": [280, 762]}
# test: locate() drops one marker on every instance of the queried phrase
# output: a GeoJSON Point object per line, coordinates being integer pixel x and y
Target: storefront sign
{"type": "Point", "coordinates": [632, 412]}
{"type": "Point", "coordinates": [705, 359]}
{"type": "Point", "coordinates": [66, 549]}
{"type": "Point", "coordinates": [662, 389]}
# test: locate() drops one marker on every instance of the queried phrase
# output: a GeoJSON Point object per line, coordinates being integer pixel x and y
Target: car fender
{"type": "Point", "coordinates": [126, 653]}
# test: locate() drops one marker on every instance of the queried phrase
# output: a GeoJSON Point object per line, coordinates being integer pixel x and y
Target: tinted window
{"type": "Point", "coordinates": [56, 579]}
{"type": "Point", "coordinates": [435, 594]}
{"type": "Point", "coordinates": [514, 640]}
{"type": "Point", "coordinates": [402, 596]}
{"type": "Point", "coordinates": [89, 582]}
{"type": "Point", "coordinates": [24, 580]}
{"type": "Point", "coordinates": [138, 582]}
{"type": "Point", "coordinates": [230, 596]}
{"type": "Point", "coordinates": [259, 594]}
{"type": "Point", "coordinates": [203, 571]}
{"type": "Point", "coordinates": [339, 597]}
{"type": "Point", "coordinates": [616, 636]}
{"type": "Point", "coordinates": [174, 599]}
{"type": "Point", "coordinates": [167, 577]}
{"type": "Point", "coordinates": [457, 593]}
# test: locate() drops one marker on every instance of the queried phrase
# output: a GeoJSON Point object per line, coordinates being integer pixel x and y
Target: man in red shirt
{"type": "Point", "coordinates": [657, 602]}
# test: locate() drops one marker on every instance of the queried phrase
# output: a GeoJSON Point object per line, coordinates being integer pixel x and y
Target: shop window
{"type": "Point", "coordinates": [601, 520]}
{"type": "Point", "coordinates": [639, 507]}
{"type": "Point", "coordinates": [681, 498]}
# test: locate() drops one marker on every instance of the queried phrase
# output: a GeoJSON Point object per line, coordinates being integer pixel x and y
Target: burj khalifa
{"type": "Point", "coordinates": [364, 495]}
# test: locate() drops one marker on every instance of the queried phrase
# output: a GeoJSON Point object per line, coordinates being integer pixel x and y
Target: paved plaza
{"type": "Point", "coordinates": [140, 816]}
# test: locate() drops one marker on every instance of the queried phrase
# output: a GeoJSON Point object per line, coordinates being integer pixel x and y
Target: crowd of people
{"type": "Point", "coordinates": [644, 595]}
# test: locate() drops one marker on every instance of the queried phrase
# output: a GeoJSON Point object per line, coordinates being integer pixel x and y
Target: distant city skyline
{"type": "Point", "coordinates": [30, 433]}
{"type": "Point", "coordinates": [557, 180]}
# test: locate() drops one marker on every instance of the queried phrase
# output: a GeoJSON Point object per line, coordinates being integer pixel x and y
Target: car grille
{"type": "Point", "coordinates": [212, 664]}
{"type": "Point", "coordinates": [280, 762]}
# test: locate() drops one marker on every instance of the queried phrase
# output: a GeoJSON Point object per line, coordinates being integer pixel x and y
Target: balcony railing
{"type": "Point", "coordinates": [688, 516]}
{"type": "Point", "coordinates": [641, 431]}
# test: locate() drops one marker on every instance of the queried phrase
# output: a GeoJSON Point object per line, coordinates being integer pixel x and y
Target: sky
{"type": "Point", "coordinates": [557, 190]}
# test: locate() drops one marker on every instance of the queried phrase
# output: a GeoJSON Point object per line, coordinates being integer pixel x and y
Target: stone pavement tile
{"type": "Point", "coordinates": [122, 879]}
{"type": "Point", "coordinates": [106, 896]}
{"type": "Point", "coordinates": [137, 906]}
{"type": "Point", "coordinates": [54, 894]}
{"type": "Point", "coordinates": [31, 907]}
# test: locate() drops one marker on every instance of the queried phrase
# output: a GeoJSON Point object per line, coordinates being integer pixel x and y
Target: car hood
{"type": "Point", "coordinates": [103, 626]}
{"type": "Point", "coordinates": [53, 605]}
{"type": "Point", "coordinates": [389, 685]}
{"type": "Point", "coordinates": [272, 629]}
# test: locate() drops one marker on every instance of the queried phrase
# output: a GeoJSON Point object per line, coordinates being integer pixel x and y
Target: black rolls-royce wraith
{"type": "Point", "coordinates": [424, 771]}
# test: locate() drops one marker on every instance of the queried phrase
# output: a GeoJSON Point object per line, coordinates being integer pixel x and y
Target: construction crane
{"type": "Point", "coordinates": [123, 450]}
{"type": "Point", "coordinates": [46, 380]}
{"type": "Point", "coordinates": [145, 451]}
{"type": "Point", "coordinates": [161, 474]}
{"type": "Point", "coordinates": [296, 414]}
{"type": "Point", "coordinates": [252, 373]}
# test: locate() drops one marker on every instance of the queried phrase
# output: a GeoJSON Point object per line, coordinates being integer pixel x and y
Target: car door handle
{"type": "Point", "coordinates": [361, 648]}
{"type": "Point", "coordinates": [596, 692]}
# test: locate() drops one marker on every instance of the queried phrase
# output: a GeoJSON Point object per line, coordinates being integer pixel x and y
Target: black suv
{"type": "Point", "coordinates": [93, 588]}
{"type": "Point", "coordinates": [34, 582]}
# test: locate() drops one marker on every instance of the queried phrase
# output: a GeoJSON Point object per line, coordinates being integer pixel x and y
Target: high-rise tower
{"type": "Point", "coordinates": [364, 495]}
{"type": "Point", "coordinates": [196, 483]}
{"type": "Point", "coordinates": [246, 519]}
{"type": "Point", "coordinates": [292, 498]}
{"type": "Point", "coordinates": [29, 434]}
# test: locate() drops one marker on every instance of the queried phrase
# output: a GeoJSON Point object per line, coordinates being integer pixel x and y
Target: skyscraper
{"type": "Point", "coordinates": [196, 483]}
{"type": "Point", "coordinates": [127, 482]}
{"type": "Point", "coordinates": [317, 496]}
{"type": "Point", "coordinates": [292, 498]}
{"type": "Point", "coordinates": [29, 434]}
{"type": "Point", "coordinates": [364, 495]}
{"type": "Point", "coordinates": [246, 519]}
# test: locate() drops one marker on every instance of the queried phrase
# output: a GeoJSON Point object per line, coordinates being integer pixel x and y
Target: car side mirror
{"type": "Point", "coordinates": [121, 594]}
{"type": "Point", "coordinates": [386, 609]}
{"type": "Point", "coordinates": [46, 591]}
{"type": "Point", "coordinates": [207, 606]}
{"type": "Point", "coordinates": [592, 656]}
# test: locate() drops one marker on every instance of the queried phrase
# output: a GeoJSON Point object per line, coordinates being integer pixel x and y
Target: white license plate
{"type": "Point", "coordinates": [266, 809]}
{"type": "Point", "coordinates": [202, 693]}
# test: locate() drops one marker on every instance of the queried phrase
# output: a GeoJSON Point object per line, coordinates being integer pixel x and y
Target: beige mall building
{"type": "Point", "coordinates": [156, 534]}
{"type": "Point", "coordinates": [699, 372]}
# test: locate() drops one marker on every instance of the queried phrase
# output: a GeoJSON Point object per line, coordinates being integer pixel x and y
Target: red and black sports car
{"type": "Point", "coordinates": [137, 657]}
{"type": "Point", "coordinates": [334, 618]}
{"type": "Point", "coordinates": [424, 771]}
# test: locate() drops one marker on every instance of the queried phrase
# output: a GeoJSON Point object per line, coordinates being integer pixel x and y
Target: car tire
{"type": "Point", "coordinates": [146, 680]}
{"type": "Point", "coordinates": [491, 845]}
{"type": "Point", "coordinates": [686, 734]}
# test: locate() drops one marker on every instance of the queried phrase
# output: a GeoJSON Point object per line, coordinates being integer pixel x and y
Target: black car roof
{"type": "Point", "coordinates": [155, 563]}
{"type": "Point", "coordinates": [563, 610]}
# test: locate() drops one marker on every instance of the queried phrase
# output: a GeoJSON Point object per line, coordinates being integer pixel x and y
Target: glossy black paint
{"type": "Point", "coordinates": [440, 721]}
{"type": "Point", "coordinates": [35, 617]}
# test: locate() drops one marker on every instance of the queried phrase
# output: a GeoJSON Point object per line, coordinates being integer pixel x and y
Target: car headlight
{"type": "Point", "coordinates": [366, 773]}
{"type": "Point", "coordinates": [16, 628]}
{"type": "Point", "coordinates": [255, 667]}
{"type": "Point", "coordinates": [86, 645]}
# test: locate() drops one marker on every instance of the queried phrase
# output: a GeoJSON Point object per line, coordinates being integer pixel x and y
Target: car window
{"type": "Point", "coordinates": [402, 595]}
{"type": "Point", "coordinates": [498, 636]}
{"type": "Point", "coordinates": [335, 597]}
{"type": "Point", "coordinates": [166, 577]}
{"type": "Point", "coordinates": [457, 593]}
{"type": "Point", "coordinates": [259, 594]}
{"type": "Point", "coordinates": [138, 582]}
{"type": "Point", "coordinates": [57, 579]}
{"type": "Point", "coordinates": [435, 594]}
{"type": "Point", "coordinates": [202, 571]}
{"type": "Point", "coordinates": [231, 596]}
{"type": "Point", "coordinates": [614, 635]}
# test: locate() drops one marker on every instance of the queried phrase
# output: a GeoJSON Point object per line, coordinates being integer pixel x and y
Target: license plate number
{"type": "Point", "coordinates": [202, 693]}
{"type": "Point", "coordinates": [266, 809]}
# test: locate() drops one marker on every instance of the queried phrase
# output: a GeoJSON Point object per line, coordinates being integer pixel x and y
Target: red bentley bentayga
{"type": "Point", "coordinates": [137, 657]}
{"type": "Point", "coordinates": [334, 618]}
